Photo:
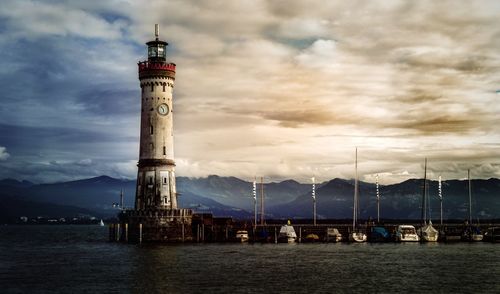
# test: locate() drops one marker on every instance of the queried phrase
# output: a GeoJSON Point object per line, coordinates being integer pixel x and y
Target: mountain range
{"type": "Point", "coordinates": [230, 196]}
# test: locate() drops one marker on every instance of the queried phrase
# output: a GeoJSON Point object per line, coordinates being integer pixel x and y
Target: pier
{"type": "Point", "coordinates": [205, 228]}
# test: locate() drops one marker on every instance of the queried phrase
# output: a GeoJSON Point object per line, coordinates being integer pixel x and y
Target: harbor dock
{"type": "Point", "coordinates": [205, 228]}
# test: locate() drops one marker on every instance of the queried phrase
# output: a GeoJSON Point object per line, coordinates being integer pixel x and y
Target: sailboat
{"type": "Point", "coordinates": [356, 235]}
{"type": "Point", "coordinates": [101, 223]}
{"type": "Point", "coordinates": [287, 234]}
{"type": "Point", "coordinates": [471, 233]}
{"type": "Point", "coordinates": [427, 232]}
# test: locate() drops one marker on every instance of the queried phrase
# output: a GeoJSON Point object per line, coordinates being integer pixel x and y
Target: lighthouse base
{"type": "Point", "coordinates": [159, 225]}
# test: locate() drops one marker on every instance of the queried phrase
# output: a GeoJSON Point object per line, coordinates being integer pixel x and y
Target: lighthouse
{"type": "Point", "coordinates": [156, 216]}
{"type": "Point", "coordinates": [156, 167]}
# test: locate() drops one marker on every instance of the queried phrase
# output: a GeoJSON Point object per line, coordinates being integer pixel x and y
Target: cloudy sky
{"type": "Point", "coordinates": [281, 89]}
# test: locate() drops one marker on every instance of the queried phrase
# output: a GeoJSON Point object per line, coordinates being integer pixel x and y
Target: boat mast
{"type": "Point", "coordinates": [121, 199]}
{"type": "Point", "coordinates": [355, 205]}
{"type": "Point", "coordinates": [470, 198]}
{"type": "Point", "coordinates": [424, 216]}
{"type": "Point", "coordinates": [313, 194]}
{"type": "Point", "coordinates": [378, 199]}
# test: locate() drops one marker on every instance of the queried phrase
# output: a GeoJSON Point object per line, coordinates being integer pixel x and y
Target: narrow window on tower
{"type": "Point", "coordinates": [152, 87]}
{"type": "Point", "coordinates": [164, 150]}
{"type": "Point", "coordinates": [163, 87]}
{"type": "Point", "coordinates": [142, 88]}
{"type": "Point", "coordinates": [151, 129]}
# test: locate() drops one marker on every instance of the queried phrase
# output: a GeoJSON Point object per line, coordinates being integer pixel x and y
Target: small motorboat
{"type": "Point", "coordinates": [242, 236]}
{"type": "Point", "coordinates": [311, 238]}
{"type": "Point", "coordinates": [406, 233]}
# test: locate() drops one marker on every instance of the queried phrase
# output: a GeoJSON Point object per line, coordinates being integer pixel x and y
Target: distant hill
{"type": "Point", "coordinates": [397, 201]}
{"type": "Point", "coordinates": [238, 193]}
{"type": "Point", "coordinates": [230, 196]}
{"type": "Point", "coordinates": [12, 208]}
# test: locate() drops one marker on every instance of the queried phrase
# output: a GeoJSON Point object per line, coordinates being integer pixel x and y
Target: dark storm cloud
{"type": "Point", "coordinates": [109, 101]}
{"type": "Point", "coordinates": [19, 137]}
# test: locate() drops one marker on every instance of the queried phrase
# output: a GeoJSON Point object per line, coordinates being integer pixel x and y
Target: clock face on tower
{"type": "Point", "coordinates": [163, 109]}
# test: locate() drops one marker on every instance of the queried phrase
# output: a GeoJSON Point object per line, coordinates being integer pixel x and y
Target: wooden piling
{"type": "Point", "coordinates": [111, 234]}
{"type": "Point", "coordinates": [275, 236]}
{"type": "Point", "coordinates": [117, 235]}
{"type": "Point", "coordinates": [140, 233]}
{"type": "Point", "coordinates": [300, 234]}
{"type": "Point", "coordinates": [126, 232]}
{"type": "Point", "coordinates": [183, 231]}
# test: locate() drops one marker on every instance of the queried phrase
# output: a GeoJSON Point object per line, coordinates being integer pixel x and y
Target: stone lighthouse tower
{"type": "Point", "coordinates": [156, 176]}
{"type": "Point", "coordinates": [156, 216]}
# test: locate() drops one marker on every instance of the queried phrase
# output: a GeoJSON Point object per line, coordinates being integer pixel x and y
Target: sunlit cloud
{"type": "Point", "coordinates": [285, 89]}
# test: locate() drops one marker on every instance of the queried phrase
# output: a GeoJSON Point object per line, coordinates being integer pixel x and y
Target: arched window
{"type": "Point", "coordinates": [151, 129]}
{"type": "Point", "coordinates": [163, 87]}
{"type": "Point", "coordinates": [152, 87]}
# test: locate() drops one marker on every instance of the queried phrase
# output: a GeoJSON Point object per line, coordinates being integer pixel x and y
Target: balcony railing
{"type": "Point", "coordinates": [146, 65]}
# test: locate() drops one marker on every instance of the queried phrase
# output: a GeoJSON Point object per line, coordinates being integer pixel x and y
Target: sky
{"type": "Point", "coordinates": [279, 89]}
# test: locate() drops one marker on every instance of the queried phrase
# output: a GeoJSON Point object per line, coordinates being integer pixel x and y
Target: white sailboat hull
{"type": "Point", "coordinates": [477, 237]}
{"type": "Point", "coordinates": [357, 237]}
{"type": "Point", "coordinates": [428, 233]}
{"type": "Point", "coordinates": [430, 238]}
{"type": "Point", "coordinates": [287, 234]}
{"type": "Point", "coordinates": [333, 235]}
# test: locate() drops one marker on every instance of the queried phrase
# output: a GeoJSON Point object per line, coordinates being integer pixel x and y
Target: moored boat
{"type": "Point", "coordinates": [242, 236]}
{"type": "Point", "coordinates": [379, 234]}
{"type": "Point", "coordinates": [428, 233]}
{"type": "Point", "coordinates": [492, 234]}
{"type": "Point", "coordinates": [333, 235]}
{"type": "Point", "coordinates": [287, 234]}
{"type": "Point", "coordinates": [356, 235]}
{"type": "Point", "coordinates": [311, 238]}
{"type": "Point", "coordinates": [406, 233]}
{"type": "Point", "coordinates": [471, 233]}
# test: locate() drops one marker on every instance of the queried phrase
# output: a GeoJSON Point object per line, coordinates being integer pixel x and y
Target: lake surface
{"type": "Point", "coordinates": [78, 259]}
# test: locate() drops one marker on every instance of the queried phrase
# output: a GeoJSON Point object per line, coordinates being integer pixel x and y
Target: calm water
{"type": "Point", "coordinates": [78, 259]}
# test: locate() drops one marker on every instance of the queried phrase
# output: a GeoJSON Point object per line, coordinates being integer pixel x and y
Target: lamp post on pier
{"type": "Point", "coordinates": [254, 193]}
{"type": "Point", "coordinates": [440, 200]}
{"type": "Point", "coordinates": [313, 194]}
